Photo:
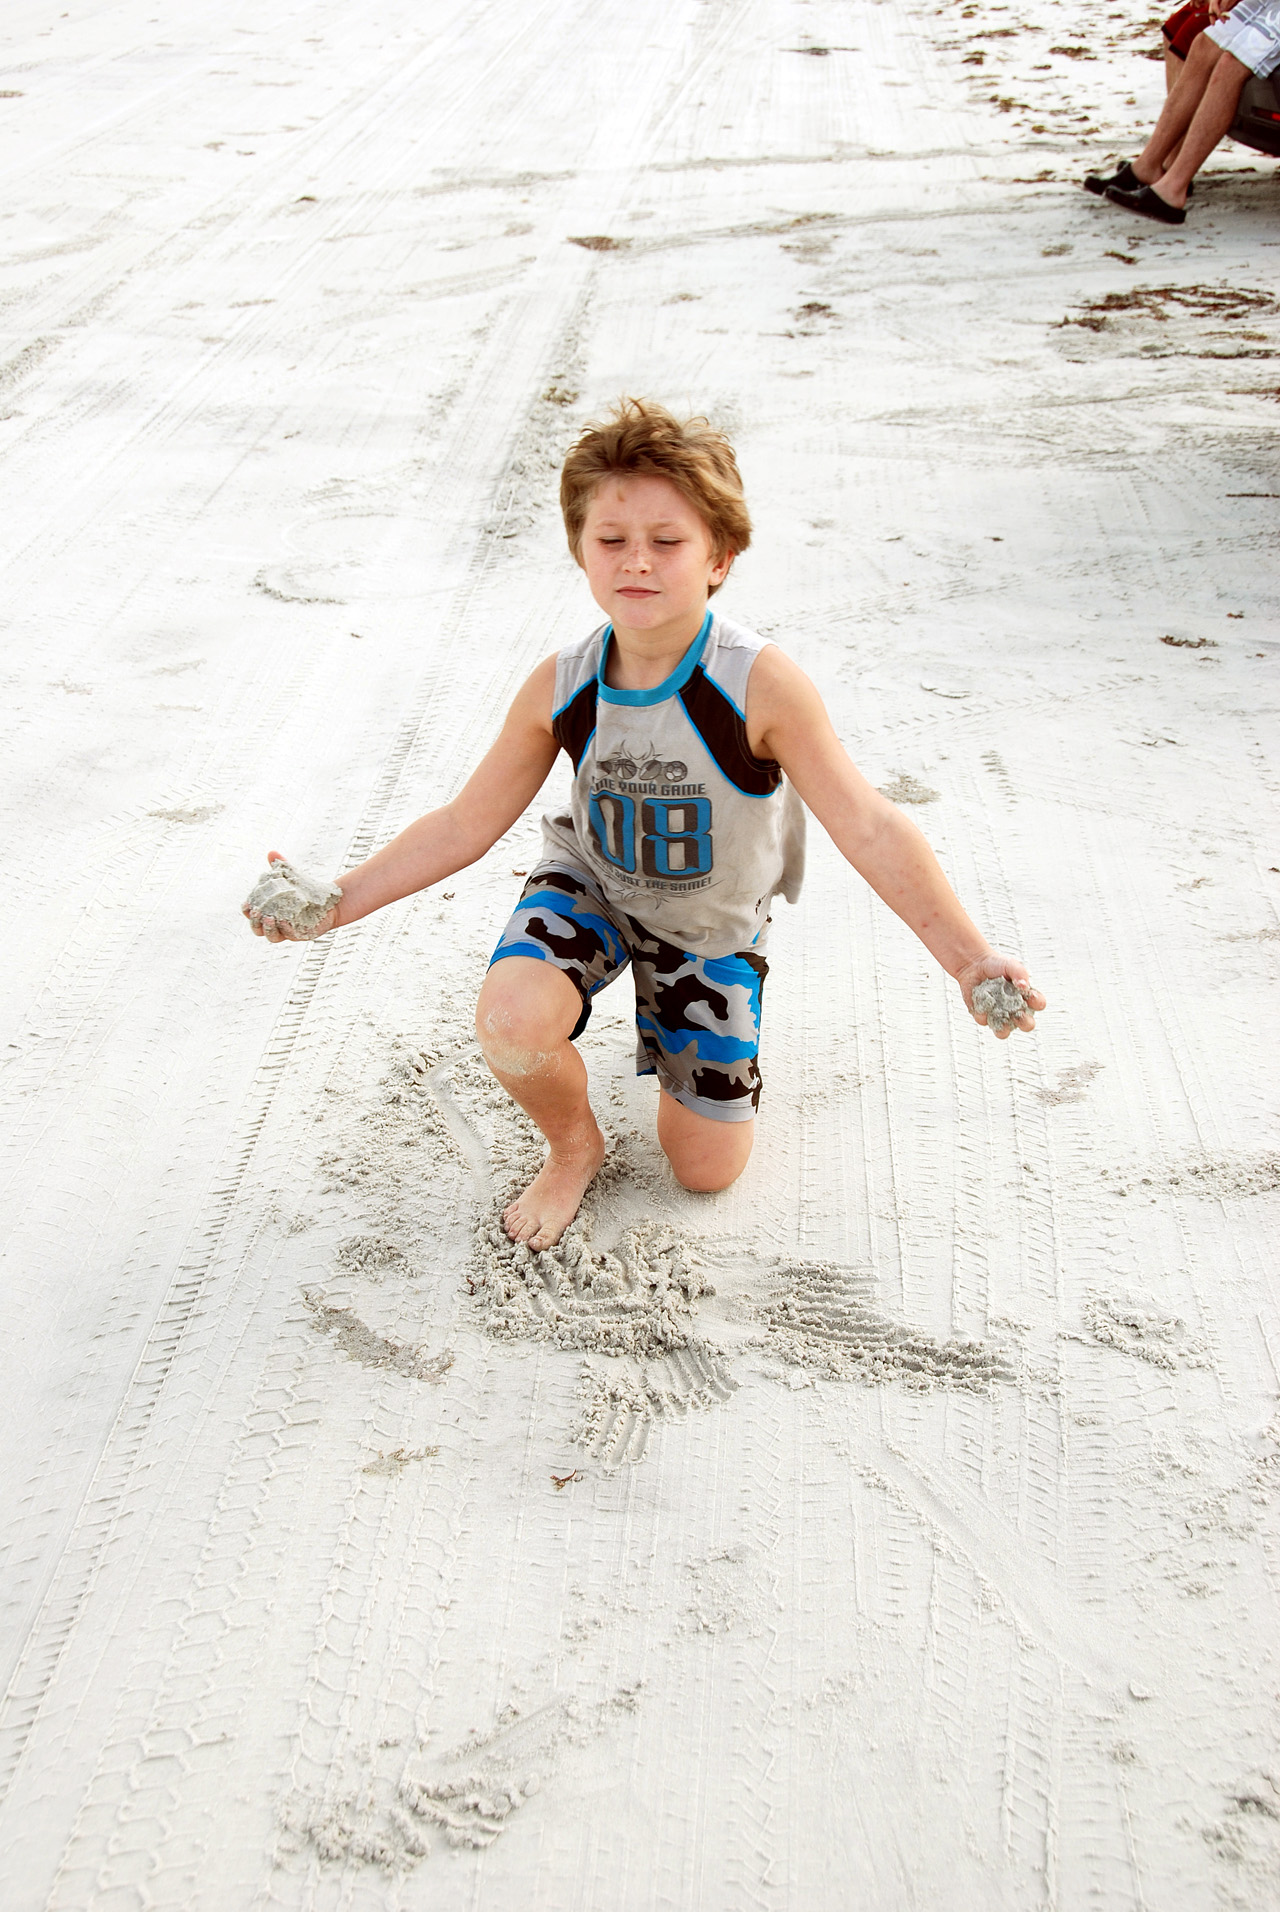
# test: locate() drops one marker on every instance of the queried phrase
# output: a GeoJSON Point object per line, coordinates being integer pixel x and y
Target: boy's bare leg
{"type": "Point", "coordinates": [1179, 109]}
{"type": "Point", "coordinates": [523, 1019]}
{"type": "Point", "coordinates": [704, 1155]}
{"type": "Point", "coordinates": [1212, 118]}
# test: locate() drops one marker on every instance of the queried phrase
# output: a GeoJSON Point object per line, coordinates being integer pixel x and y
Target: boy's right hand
{"type": "Point", "coordinates": [989, 969]}
{"type": "Point", "coordinates": [276, 929]}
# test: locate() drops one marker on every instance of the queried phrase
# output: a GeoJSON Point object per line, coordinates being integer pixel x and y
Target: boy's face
{"type": "Point", "coordinates": [647, 555]}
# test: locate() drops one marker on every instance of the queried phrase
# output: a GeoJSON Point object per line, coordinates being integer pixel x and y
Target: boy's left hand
{"type": "Point", "coordinates": [997, 965]}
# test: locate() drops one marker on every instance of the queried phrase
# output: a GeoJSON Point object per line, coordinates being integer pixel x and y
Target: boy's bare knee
{"type": "Point", "coordinates": [519, 1029]}
{"type": "Point", "coordinates": [706, 1181]}
{"type": "Point", "coordinates": [514, 1041]}
{"type": "Point", "coordinates": [709, 1159]}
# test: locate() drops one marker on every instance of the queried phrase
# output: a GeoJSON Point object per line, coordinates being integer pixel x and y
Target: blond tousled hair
{"type": "Point", "coordinates": [641, 439]}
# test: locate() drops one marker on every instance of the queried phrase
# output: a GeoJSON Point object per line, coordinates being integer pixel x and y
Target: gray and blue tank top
{"type": "Point", "coordinates": [678, 823]}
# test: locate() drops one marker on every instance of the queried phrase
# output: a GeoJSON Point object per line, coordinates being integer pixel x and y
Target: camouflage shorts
{"type": "Point", "coordinates": [697, 1017]}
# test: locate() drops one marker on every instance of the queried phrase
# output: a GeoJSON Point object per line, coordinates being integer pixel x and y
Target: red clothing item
{"type": "Point", "coordinates": [1182, 27]}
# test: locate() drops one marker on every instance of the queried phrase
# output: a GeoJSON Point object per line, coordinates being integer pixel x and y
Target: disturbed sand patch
{"type": "Point", "coordinates": [1164, 1341]}
{"type": "Point", "coordinates": [467, 1795]}
{"type": "Point", "coordinates": [360, 1343]}
{"type": "Point", "coordinates": [1071, 1085]}
{"type": "Point", "coordinates": [820, 1317]}
{"type": "Point", "coordinates": [394, 1145]}
{"type": "Point", "coordinates": [634, 1299]}
{"type": "Point", "coordinates": [621, 1403]}
{"type": "Point", "coordinates": [352, 1828]}
{"type": "Point", "coordinates": [388, 1466]}
{"type": "Point", "coordinates": [904, 788]}
{"type": "Point", "coordinates": [627, 1302]}
{"type": "Point", "coordinates": [373, 1257]}
{"type": "Point", "coordinates": [1216, 1177]}
{"type": "Point", "coordinates": [1230, 1175]}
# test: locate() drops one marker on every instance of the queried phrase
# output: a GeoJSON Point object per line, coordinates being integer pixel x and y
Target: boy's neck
{"type": "Point", "coordinates": [641, 660]}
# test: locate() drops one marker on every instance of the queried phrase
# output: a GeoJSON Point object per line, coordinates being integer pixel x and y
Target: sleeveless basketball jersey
{"type": "Point", "coordinates": [678, 823]}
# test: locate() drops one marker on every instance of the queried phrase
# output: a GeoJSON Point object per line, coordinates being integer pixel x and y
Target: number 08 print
{"type": "Point", "coordinates": [674, 836]}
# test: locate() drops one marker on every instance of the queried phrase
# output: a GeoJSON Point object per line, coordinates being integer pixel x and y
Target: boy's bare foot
{"type": "Point", "coordinates": [552, 1199]}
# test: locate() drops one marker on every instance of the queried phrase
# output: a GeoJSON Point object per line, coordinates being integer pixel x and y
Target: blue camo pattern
{"type": "Point", "coordinates": [697, 1017]}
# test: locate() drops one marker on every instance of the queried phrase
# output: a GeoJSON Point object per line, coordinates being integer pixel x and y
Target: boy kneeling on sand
{"type": "Point", "coordinates": [695, 746]}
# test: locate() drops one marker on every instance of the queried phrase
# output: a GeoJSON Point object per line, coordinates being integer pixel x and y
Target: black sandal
{"type": "Point", "coordinates": [1148, 202]}
{"type": "Point", "coordinates": [1126, 179]}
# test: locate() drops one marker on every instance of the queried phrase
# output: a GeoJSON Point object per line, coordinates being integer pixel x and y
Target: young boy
{"type": "Point", "coordinates": [694, 746]}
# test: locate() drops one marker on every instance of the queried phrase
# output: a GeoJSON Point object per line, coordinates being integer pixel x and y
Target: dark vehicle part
{"type": "Point", "coordinates": [1257, 120]}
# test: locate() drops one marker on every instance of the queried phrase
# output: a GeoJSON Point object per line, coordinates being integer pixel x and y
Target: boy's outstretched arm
{"type": "Point", "coordinates": [787, 720]}
{"type": "Point", "coordinates": [499, 791]}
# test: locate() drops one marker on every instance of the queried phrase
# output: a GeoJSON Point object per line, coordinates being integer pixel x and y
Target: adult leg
{"type": "Point", "coordinates": [1179, 108]}
{"type": "Point", "coordinates": [1173, 65]}
{"type": "Point", "coordinates": [1209, 125]}
{"type": "Point", "coordinates": [705, 1155]}
{"type": "Point", "coordinates": [523, 1018]}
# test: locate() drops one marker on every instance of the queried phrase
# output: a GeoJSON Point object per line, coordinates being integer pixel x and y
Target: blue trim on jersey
{"type": "Point", "coordinates": [733, 707]}
{"type": "Point", "coordinates": [669, 687]}
{"type": "Point", "coordinates": [576, 693]}
{"type": "Point", "coordinates": [557, 714]}
{"type": "Point", "coordinates": [752, 796]}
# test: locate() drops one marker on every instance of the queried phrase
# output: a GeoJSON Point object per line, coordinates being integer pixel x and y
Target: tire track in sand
{"type": "Point", "coordinates": [509, 367]}
{"type": "Point", "coordinates": [508, 370]}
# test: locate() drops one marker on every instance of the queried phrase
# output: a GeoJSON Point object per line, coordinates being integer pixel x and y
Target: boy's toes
{"type": "Point", "coordinates": [529, 1229]}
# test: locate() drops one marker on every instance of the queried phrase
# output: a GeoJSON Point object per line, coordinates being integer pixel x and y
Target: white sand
{"type": "Point", "coordinates": [351, 1558]}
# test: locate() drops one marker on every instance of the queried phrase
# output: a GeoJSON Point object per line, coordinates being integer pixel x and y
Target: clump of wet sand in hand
{"type": "Point", "coordinates": [1000, 1001]}
{"type": "Point", "coordinates": [299, 901]}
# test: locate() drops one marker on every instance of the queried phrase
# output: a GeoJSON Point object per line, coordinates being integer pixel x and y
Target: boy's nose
{"type": "Point", "coordinates": [637, 558]}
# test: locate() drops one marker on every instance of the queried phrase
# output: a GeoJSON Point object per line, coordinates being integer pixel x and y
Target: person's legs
{"type": "Point", "coordinates": [1179, 109]}
{"type": "Point", "coordinates": [526, 1011]}
{"type": "Point", "coordinates": [1126, 176]}
{"type": "Point", "coordinates": [1208, 127]}
{"type": "Point", "coordinates": [1173, 65]}
{"type": "Point", "coordinates": [705, 1155]}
